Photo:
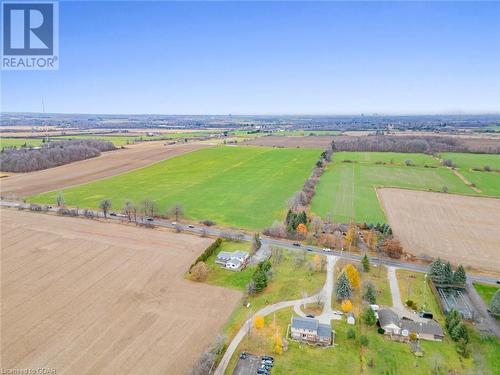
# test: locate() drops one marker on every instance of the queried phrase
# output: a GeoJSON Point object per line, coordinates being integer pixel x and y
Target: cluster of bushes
{"type": "Point", "coordinates": [458, 332]}
{"type": "Point", "coordinates": [486, 168]}
{"type": "Point", "coordinates": [63, 211]}
{"type": "Point", "coordinates": [412, 304]}
{"type": "Point", "coordinates": [293, 219]}
{"type": "Point", "coordinates": [260, 278]}
{"type": "Point", "coordinates": [409, 144]}
{"type": "Point", "coordinates": [391, 247]}
{"type": "Point", "coordinates": [208, 252]}
{"type": "Point", "coordinates": [442, 274]}
{"type": "Point", "coordinates": [52, 155]}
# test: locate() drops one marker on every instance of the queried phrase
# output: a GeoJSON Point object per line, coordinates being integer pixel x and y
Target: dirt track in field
{"type": "Point", "coordinates": [319, 141]}
{"type": "Point", "coordinates": [108, 164]}
{"type": "Point", "coordinates": [85, 297]}
{"type": "Point", "coordinates": [464, 230]}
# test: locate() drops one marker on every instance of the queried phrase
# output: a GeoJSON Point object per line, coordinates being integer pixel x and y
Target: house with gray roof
{"type": "Point", "coordinates": [401, 327]}
{"type": "Point", "coordinates": [311, 331]}
{"type": "Point", "coordinates": [235, 260]}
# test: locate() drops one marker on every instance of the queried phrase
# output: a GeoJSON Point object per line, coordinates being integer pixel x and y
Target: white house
{"type": "Point", "coordinates": [350, 318]}
{"type": "Point", "coordinates": [236, 260]}
{"type": "Point", "coordinates": [394, 325]}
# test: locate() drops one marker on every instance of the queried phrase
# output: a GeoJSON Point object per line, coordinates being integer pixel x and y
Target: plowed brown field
{"type": "Point", "coordinates": [464, 230]}
{"type": "Point", "coordinates": [86, 297]}
{"type": "Point", "coordinates": [108, 164]}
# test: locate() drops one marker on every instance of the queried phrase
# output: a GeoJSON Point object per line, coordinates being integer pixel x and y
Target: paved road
{"type": "Point", "coordinates": [277, 242]}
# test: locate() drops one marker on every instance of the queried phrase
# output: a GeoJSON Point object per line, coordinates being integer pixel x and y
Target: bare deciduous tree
{"type": "Point", "coordinates": [105, 206]}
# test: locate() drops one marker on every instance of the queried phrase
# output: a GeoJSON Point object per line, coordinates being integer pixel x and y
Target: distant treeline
{"type": "Point", "coordinates": [422, 144]}
{"type": "Point", "coordinates": [51, 155]}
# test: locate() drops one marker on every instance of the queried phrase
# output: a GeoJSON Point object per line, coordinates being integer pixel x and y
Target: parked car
{"type": "Point", "coordinates": [112, 214]}
{"type": "Point", "coordinates": [262, 372]}
{"type": "Point", "coordinates": [191, 226]}
{"type": "Point", "coordinates": [149, 219]}
{"type": "Point", "coordinates": [426, 315]}
{"type": "Point", "coordinates": [267, 358]}
{"type": "Point", "coordinates": [243, 355]}
{"type": "Point", "coordinates": [174, 223]}
{"type": "Point", "coordinates": [296, 244]}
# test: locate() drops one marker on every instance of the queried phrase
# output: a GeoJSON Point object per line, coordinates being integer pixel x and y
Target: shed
{"type": "Point", "coordinates": [350, 318]}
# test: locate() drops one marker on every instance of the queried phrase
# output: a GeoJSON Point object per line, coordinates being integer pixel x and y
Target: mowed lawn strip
{"type": "Point", "coordinates": [348, 190]}
{"type": "Point", "coordinates": [486, 292]}
{"type": "Point", "coordinates": [244, 187]}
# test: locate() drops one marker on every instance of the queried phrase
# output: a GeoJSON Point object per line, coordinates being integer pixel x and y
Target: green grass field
{"type": "Point", "coordinates": [19, 142]}
{"type": "Point", "coordinates": [243, 187]}
{"type": "Point", "coordinates": [347, 190]}
{"type": "Point", "coordinates": [307, 132]}
{"type": "Point", "coordinates": [487, 182]}
{"type": "Point", "coordinates": [469, 161]}
{"type": "Point", "coordinates": [394, 158]}
{"type": "Point", "coordinates": [486, 292]}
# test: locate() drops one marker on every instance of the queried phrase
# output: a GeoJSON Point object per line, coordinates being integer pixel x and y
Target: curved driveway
{"type": "Point", "coordinates": [326, 294]}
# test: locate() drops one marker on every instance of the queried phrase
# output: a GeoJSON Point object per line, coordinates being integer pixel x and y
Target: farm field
{"type": "Point", "coordinates": [245, 187]}
{"type": "Point", "coordinates": [462, 229]}
{"type": "Point", "coordinates": [105, 165]}
{"type": "Point", "coordinates": [396, 158]}
{"type": "Point", "coordinates": [487, 182]}
{"type": "Point", "coordinates": [19, 142]}
{"type": "Point", "coordinates": [469, 161]}
{"type": "Point", "coordinates": [82, 296]}
{"type": "Point", "coordinates": [348, 190]}
{"type": "Point", "coordinates": [321, 142]}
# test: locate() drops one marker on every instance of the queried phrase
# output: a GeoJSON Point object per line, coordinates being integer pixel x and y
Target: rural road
{"type": "Point", "coordinates": [277, 242]}
{"type": "Point", "coordinates": [325, 293]}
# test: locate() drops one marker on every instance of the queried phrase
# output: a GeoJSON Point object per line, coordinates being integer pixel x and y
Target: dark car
{"type": "Point", "coordinates": [267, 358]}
{"type": "Point", "coordinates": [309, 249]}
{"type": "Point", "coordinates": [310, 316]}
{"type": "Point", "coordinates": [243, 355]}
{"type": "Point", "coordinates": [112, 214]}
{"type": "Point", "coordinates": [498, 281]}
{"type": "Point", "coordinates": [296, 244]}
{"type": "Point", "coordinates": [262, 372]}
{"type": "Point", "coordinates": [149, 219]}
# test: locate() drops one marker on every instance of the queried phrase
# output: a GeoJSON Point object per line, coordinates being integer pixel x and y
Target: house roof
{"type": "Point", "coordinates": [324, 330]}
{"type": "Point", "coordinates": [387, 316]}
{"type": "Point", "coordinates": [234, 262]}
{"type": "Point", "coordinates": [240, 254]}
{"type": "Point", "coordinates": [224, 255]}
{"type": "Point", "coordinates": [431, 327]}
{"type": "Point", "coordinates": [350, 314]}
{"type": "Point", "coordinates": [305, 323]}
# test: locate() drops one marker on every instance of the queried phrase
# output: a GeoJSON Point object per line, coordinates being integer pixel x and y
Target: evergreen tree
{"type": "Point", "coordinates": [460, 332]}
{"type": "Point", "coordinates": [495, 303]}
{"type": "Point", "coordinates": [459, 277]}
{"type": "Point", "coordinates": [448, 274]}
{"type": "Point", "coordinates": [260, 279]}
{"type": "Point", "coordinates": [452, 320]}
{"type": "Point", "coordinates": [369, 295]}
{"type": "Point", "coordinates": [369, 316]}
{"type": "Point", "coordinates": [302, 218]}
{"type": "Point", "coordinates": [436, 272]}
{"type": "Point", "coordinates": [343, 288]}
{"type": "Point", "coordinates": [366, 263]}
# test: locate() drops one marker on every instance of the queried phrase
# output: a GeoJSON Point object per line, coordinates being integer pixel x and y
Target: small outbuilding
{"type": "Point", "coordinates": [350, 318]}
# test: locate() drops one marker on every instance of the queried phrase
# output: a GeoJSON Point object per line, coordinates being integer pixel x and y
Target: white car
{"type": "Point", "coordinates": [327, 249]}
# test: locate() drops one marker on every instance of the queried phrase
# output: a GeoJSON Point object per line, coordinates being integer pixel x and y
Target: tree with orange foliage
{"type": "Point", "coordinates": [258, 322]}
{"type": "Point", "coordinates": [301, 228]}
{"type": "Point", "coordinates": [346, 305]}
{"type": "Point", "coordinates": [353, 276]}
{"type": "Point", "coordinates": [278, 344]}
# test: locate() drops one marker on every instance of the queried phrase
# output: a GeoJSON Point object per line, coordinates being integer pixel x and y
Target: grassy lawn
{"type": "Point", "coordinates": [227, 278]}
{"type": "Point", "coordinates": [486, 292]}
{"type": "Point", "coordinates": [288, 283]}
{"type": "Point", "coordinates": [394, 158]}
{"type": "Point", "coordinates": [307, 132]}
{"type": "Point", "coordinates": [412, 286]}
{"type": "Point", "coordinates": [347, 190]}
{"type": "Point", "coordinates": [469, 161]}
{"type": "Point", "coordinates": [243, 187]}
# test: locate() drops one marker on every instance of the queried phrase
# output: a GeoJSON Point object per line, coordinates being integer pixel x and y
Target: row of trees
{"type": "Point", "coordinates": [442, 274]}
{"type": "Point", "coordinates": [52, 155]}
{"type": "Point", "coordinates": [410, 144]}
{"type": "Point", "coordinates": [458, 332]}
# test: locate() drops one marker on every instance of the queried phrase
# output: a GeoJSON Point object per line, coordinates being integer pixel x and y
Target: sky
{"type": "Point", "coordinates": [267, 58]}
